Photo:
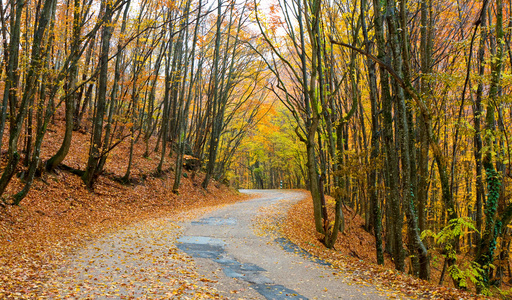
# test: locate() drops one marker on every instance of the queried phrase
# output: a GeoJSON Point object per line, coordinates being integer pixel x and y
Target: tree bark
{"type": "Point", "coordinates": [70, 99]}
{"type": "Point", "coordinates": [375, 145]}
{"type": "Point", "coordinates": [92, 171]}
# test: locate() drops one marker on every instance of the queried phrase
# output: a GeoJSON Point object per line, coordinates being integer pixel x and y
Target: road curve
{"type": "Point", "coordinates": [220, 254]}
{"type": "Point", "coordinates": [249, 266]}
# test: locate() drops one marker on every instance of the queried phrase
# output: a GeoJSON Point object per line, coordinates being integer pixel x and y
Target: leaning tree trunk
{"type": "Point", "coordinates": [70, 99]}
{"type": "Point", "coordinates": [10, 97]}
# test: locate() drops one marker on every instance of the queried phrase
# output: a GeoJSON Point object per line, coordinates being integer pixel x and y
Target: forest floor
{"type": "Point", "coordinates": [60, 215]}
{"type": "Point", "coordinates": [355, 251]}
{"type": "Point", "coordinates": [219, 254]}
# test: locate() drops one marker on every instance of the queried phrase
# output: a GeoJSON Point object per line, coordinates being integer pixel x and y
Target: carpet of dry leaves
{"type": "Point", "coordinates": [354, 253]}
{"type": "Point", "coordinates": [60, 214]}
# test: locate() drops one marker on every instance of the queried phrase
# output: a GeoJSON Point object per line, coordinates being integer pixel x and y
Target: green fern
{"type": "Point", "coordinates": [469, 271]}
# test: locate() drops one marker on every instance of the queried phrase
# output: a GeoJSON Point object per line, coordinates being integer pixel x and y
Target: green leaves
{"type": "Point", "coordinates": [470, 273]}
{"type": "Point", "coordinates": [455, 229]}
{"type": "Point", "coordinates": [446, 238]}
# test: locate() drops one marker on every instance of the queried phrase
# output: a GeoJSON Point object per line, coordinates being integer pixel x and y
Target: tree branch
{"type": "Point", "coordinates": [405, 85]}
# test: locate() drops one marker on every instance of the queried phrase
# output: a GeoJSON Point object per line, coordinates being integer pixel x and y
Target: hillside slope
{"type": "Point", "coordinates": [60, 214]}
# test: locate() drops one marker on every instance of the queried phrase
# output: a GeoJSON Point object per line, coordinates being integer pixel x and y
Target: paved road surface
{"type": "Point", "coordinates": [218, 254]}
{"type": "Point", "coordinates": [225, 244]}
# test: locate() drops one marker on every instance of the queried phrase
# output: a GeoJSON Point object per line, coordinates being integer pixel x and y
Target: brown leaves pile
{"type": "Point", "coordinates": [60, 214]}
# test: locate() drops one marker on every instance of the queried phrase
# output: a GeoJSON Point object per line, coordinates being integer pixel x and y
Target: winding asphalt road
{"type": "Point", "coordinates": [249, 266]}
{"type": "Point", "coordinates": [221, 253]}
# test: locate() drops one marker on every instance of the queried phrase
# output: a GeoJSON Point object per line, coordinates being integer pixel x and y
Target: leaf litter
{"type": "Point", "coordinates": [54, 245]}
{"type": "Point", "coordinates": [353, 257]}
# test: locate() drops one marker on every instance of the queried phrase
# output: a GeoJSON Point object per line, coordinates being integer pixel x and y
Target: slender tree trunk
{"type": "Point", "coordinates": [91, 171]}
{"type": "Point", "coordinates": [183, 127]}
{"type": "Point", "coordinates": [43, 115]}
{"type": "Point", "coordinates": [422, 155]}
{"type": "Point", "coordinates": [375, 145]}
{"type": "Point", "coordinates": [478, 113]}
{"type": "Point", "coordinates": [70, 100]}
{"type": "Point", "coordinates": [214, 139]}
{"type": "Point", "coordinates": [164, 131]}
{"type": "Point", "coordinates": [493, 227]}
{"type": "Point", "coordinates": [418, 251]}
{"type": "Point", "coordinates": [391, 160]}
{"type": "Point", "coordinates": [165, 115]}
{"type": "Point", "coordinates": [11, 98]}
{"type": "Point", "coordinates": [80, 110]}
{"type": "Point", "coordinates": [311, 102]}
{"type": "Point", "coordinates": [112, 105]}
